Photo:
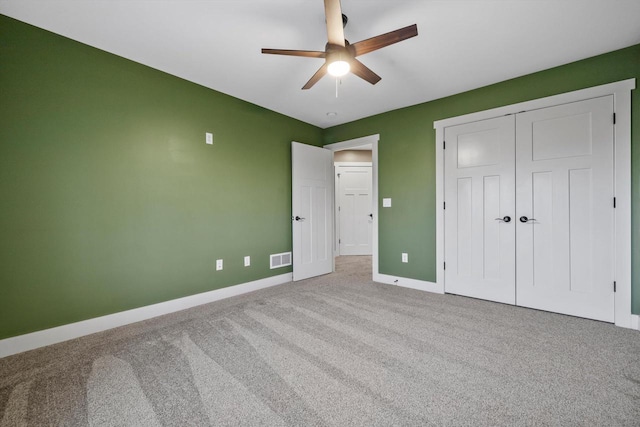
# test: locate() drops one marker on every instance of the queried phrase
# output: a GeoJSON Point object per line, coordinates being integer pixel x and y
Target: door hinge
{"type": "Point", "coordinates": [339, 208]}
{"type": "Point", "coordinates": [339, 241]}
{"type": "Point", "coordinates": [614, 286]}
{"type": "Point", "coordinates": [614, 203]}
{"type": "Point", "coordinates": [444, 145]}
{"type": "Point", "coordinates": [444, 265]}
{"type": "Point", "coordinates": [444, 205]}
{"type": "Point", "coordinates": [338, 175]}
{"type": "Point", "coordinates": [614, 118]}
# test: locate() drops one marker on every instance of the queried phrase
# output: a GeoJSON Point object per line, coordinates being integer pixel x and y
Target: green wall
{"type": "Point", "coordinates": [407, 150]}
{"type": "Point", "coordinates": [110, 198]}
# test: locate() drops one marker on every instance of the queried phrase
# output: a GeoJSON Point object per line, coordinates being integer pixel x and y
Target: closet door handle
{"type": "Point", "coordinates": [524, 219]}
{"type": "Point", "coordinates": [506, 218]}
{"type": "Point", "coordinates": [298, 218]}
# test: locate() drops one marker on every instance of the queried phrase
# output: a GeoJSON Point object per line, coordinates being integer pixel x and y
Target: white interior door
{"type": "Point", "coordinates": [355, 209]}
{"type": "Point", "coordinates": [479, 211]}
{"type": "Point", "coordinates": [312, 210]}
{"type": "Point", "coordinates": [565, 188]}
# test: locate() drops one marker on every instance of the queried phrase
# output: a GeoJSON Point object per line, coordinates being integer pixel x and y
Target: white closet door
{"type": "Point", "coordinates": [480, 209]}
{"type": "Point", "coordinates": [564, 164]}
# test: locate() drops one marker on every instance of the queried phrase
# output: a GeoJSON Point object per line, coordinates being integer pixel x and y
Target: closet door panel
{"type": "Point", "coordinates": [479, 197]}
{"type": "Point", "coordinates": [564, 176]}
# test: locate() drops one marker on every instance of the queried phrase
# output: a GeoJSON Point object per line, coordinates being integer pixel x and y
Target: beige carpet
{"type": "Point", "coordinates": [336, 350]}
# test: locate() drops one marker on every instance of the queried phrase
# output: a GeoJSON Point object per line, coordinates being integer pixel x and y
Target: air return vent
{"type": "Point", "coordinates": [280, 260]}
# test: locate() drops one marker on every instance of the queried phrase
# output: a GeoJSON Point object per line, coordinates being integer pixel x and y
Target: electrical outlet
{"type": "Point", "coordinates": [405, 257]}
{"type": "Point", "coordinates": [218, 265]}
{"type": "Point", "coordinates": [247, 261]}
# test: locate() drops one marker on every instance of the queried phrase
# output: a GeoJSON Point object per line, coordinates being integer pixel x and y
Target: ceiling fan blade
{"type": "Point", "coordinates": [362, 71]}
{"type": "Point", "coordinates": [333, 15]}
{"type": "Point", "coordinates": [316, 77]}
{"type": "Point", "coordinates": [307, 53]}
{"type": "Point", "coordinates": [378, 42]}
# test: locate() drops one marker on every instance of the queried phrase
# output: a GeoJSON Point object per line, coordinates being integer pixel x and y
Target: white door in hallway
{"type": "Point", "coordinates": [479, 212]}
{"type": "Point", "coordinates": [355, 209]}
{"type": "Point", "coordinates": [565, 189]}
{"type": "Point", "coordinates": [312, 210]}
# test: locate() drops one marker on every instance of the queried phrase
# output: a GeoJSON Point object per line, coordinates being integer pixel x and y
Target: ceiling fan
{"type": "Point", "coordinates": [339, 54]}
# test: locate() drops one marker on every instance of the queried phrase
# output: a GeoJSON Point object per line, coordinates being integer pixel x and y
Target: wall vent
{"type": "Point", "coordinates": [280, 260]}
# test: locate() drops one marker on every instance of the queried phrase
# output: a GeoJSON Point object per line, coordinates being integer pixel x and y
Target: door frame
{"type": "Point", "coordinates": [372, 141]}
{"type": "Point", "coordinates": [621, 92]}
{"type": "Point", "coordinates": [336, 192]}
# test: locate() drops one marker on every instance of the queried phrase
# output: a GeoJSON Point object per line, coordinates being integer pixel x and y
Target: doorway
{"type": "Point", "coordinates": [368, 143]}
{"type": "Point", "coordinates": [354, 210]}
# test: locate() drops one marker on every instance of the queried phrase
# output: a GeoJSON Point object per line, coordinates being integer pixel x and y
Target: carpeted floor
{"type": "Point", "coordinates": [335, 350]}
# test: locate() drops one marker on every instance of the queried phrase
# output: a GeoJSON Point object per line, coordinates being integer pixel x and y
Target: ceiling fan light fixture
{"type": "Point", "coordinates": [338, 68]}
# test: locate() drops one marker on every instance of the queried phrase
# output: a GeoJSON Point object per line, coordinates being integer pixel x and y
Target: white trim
{"type": "Point", "coordinates": [622, 107]}
{"type": "Point", "coordinates": [336, 216]}
{"type": "Point", "coordinates": [622, 141]}
{"type": "Point", "coordinates": [348, 164]}
{"type": "Point", "coordinates": [563, 98]}
{"type": "Point", "coordinates": [353, 143]}
{"type": "Point", "coordinates": [405, 282]}
{"type": "Point", "coordinates": [358, 142]}
{"type": "Point", "coordinates": [635, 322]}
{"type": "Point", "coordinates": [70, 331]}
{"type": "Point", "coordinates": [440, 208]}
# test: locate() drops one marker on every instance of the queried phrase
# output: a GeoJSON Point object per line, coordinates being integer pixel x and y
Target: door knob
{"type": "Point", "coordinates": [506, 218]}
{"type": "Point", "coordinates": [524, 219]}
{"type": "Point", "coordinates": [371, 215]}
{"type": "Point", "coordinates": [298, 218]}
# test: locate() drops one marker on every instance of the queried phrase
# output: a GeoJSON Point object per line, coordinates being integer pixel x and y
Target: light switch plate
{"type": "Point", "coordinates": [405, 257]}
{"type": "Point", "coordinates": [247, 261]}
{"type": "Point", "coordinates": [218, 264]}
{"type": "Point", "coordinates": [386, 203]}
{"type": "Point", "coordinates": [209, 139]}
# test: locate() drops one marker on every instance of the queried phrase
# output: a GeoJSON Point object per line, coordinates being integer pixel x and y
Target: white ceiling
{"type": "Point", "coordinates": [462, 44]}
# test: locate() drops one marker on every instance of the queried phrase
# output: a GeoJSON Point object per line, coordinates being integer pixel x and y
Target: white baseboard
{"type": "Point", "coordinates": [435, 288]}
{"type": "Point", "coordinates": [420, 285]}
{"type": "Point", "coordinates": [635, 322]}
{"type": "Point", "coordinates": [62, 333]}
